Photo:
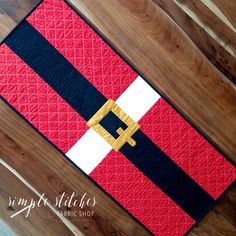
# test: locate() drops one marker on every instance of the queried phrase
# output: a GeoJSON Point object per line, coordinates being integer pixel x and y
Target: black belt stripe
{"type": "Point", "coordinates": [54, 69]}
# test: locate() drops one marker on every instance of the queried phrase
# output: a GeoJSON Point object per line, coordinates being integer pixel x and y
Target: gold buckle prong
{"type": "Point", "coordinates": [130, 141]}
{"type": "Point", "coordinates": [124, 135]}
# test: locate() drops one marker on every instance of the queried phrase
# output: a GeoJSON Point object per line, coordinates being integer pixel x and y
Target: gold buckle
{"type": "Point", "coordinates": [124, 135]}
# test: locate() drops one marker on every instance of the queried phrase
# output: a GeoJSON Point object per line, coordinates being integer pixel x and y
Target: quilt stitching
{"type": "Point", "coordinates": [63, 126]}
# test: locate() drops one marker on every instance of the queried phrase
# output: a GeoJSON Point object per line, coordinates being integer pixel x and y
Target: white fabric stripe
{"type": "Point", "coordinates": [137, 99]}
{"type": "Point", "coordinates": [90, 149]}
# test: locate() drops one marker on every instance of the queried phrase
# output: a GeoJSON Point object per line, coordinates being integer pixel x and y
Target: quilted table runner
{"type": "Point", "coordinates": [79, 93]}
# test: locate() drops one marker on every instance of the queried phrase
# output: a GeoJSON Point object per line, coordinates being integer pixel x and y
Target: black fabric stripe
{"type": "Point", "coordinates": [48, 63]}
{"type": "Point", "coordinates": [61, 75]}
{"type": "Point", "coordinates": [168, 176]}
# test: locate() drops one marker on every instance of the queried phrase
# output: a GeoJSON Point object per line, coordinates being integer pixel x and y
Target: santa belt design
{"type": "Point", "coordinates": [109, 120]}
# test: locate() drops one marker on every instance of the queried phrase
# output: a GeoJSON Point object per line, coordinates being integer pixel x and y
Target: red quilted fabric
{"type": "Point", "coordinates": [188, 148]}
{"type": "Point", "coordinates": [32, 97]}
{"type": "Point", "coordinates": [38, 102]}
{"type": "Point", "coordinates": [121, 179]}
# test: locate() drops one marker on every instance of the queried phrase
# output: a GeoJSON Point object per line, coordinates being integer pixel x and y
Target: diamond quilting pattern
{"type": "Point", "coordinates": [82, 47]}
{"type": "Point", "coordinates": [122, 180]}
{"type": "Point", "coordinates": [85, 50]}
{"type": "Point", "coordinates": [20, 86]}
{"type": "Point", "coordinates": [188, 148]}
{"type": "Point", "coordinates": [38, 102]}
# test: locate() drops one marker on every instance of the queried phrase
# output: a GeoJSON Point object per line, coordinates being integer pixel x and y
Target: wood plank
{"type": "Point", "coordinates": [221, 220]}
{"type": "Point", "coordinates": [49, 172]}
{"type": "Point", "coordinates": [228, 8]}
{"type": "Point", "coordinates": [173, 64]}
{"type": "Point", "coordinates": [37, 223]}
{"type": "Point", "coordinates": [12, 12]}
{"type": "Point", "coordinates": [211, 23]}
{"type": "Point", "coordinates": [215, 53]}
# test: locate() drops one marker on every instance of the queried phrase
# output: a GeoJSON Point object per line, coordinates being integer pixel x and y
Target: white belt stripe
{"type": "Point", "coordinates": [90, 149]}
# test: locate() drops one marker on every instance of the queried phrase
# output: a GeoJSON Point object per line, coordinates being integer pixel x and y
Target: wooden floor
{"type": "Point", "coordinates": [191, 60]}
{"type": "Point", "coordinates": [12, 12]}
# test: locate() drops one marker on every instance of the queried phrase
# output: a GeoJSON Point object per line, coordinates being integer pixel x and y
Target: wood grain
{"type": "Point", "coordinates": [228, 8]}
{"type": "Point", "coordinates": [37, 223]}
{"type": "Point", "coordinates": [211, 23]}
{"type": "Point", "coordinates": [49, 172]}
{"type": "Point", "coordinates": [153, 43]}
{"type": "Point", "coordinates": [12, 12]}
{"type": "Point", "coordinates": [215, 52]}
